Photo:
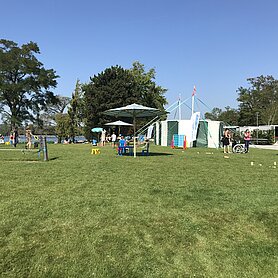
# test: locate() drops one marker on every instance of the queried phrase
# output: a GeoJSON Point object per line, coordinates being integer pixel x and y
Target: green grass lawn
{"type": "Point", "coordinates": [176, 213]}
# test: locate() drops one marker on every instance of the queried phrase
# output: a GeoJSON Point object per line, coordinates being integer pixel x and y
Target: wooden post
{"type": "Point", "coordinates": [45, 153]}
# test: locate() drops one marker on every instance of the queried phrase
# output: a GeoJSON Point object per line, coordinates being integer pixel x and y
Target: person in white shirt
{"type": "Point", "coordinates": [113, 139]}
{"type": "Point", "coordinates": [103, 137]}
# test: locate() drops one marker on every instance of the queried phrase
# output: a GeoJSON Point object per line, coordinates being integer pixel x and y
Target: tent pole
{"type": "Point", "coordinates": [193, 97]}
{"type": "Point", "coordinates": [179, 107]}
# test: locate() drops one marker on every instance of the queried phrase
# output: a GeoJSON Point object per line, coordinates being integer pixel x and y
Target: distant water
{"type": "Point", "coordinates": [49, 138]}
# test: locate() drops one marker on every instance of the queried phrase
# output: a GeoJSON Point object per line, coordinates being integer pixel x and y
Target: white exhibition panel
{"type": "Point", "coordinates": [164, 133]}
{"type": "Point", "coordinates": [156, 139]}
{"type": "Point", "coordinates": [185, 127]}
{"type": "Point", "coordinates": [213, 134]}
{"type": "Point", "coordinates": [157, 134]}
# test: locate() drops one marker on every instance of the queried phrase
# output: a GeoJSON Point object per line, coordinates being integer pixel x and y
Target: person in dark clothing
{"type": "Point", "coordinates": [226, 140]}
{"type": "Point", "coordinates": [15, 137]}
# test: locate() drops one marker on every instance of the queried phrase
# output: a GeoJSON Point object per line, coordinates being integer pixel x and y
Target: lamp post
{"type": "Point", "coordinates": [257, 113]}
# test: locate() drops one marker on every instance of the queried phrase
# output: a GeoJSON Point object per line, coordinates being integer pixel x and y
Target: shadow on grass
{"type": "Point", "coordinates": [53, 158]}
{"type": "Point", "coordinates": [150, 154]}
{"type": "Point", "coordinates": [24, 161]}
{"type": "Point", "coordinates": [29, 160]}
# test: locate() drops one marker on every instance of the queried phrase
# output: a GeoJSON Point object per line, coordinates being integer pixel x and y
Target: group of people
{"type": "Point", "coordinates": [14, 138]}
{"type": "Point", "coordinates": [119, 141]}
{"type": "Point", "coordinates": [123, 144]}
{"type": "Point", "coordinates": [113, 138]}
{"type": "Point", "coordinates": [228, 140]}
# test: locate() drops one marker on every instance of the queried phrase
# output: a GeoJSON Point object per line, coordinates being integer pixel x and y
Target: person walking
{"type": "Point", "coordinates": [28, 135]}
{"type": "Point", "coordinates": [247, 138]}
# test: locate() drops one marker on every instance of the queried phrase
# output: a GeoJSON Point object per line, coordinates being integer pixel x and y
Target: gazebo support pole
{"type": "Point", "coordinates": [134, 139]}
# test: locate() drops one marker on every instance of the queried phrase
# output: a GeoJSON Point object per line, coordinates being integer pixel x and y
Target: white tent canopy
{"type": "Point", "coordinates": [118, 123]}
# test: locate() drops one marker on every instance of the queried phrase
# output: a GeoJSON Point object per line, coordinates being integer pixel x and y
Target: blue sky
{"type": "Point", "coordinates": [215, 45]}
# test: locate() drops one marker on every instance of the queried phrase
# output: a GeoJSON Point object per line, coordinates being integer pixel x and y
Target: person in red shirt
{"type": "Point", "coordinates": [247, 138]}
{"type": "Point", "coordinates": [11, 138]}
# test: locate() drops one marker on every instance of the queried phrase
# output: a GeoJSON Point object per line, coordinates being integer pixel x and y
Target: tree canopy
{"type": "Point", "coordinates": [25, 85]}
{"type": "Point", "coordinates": [150, 93]}
{"type": "Point", "coordinates": [116, 87]}
{"type": "Point", "coordinates": [262, 98]}
{"type": "Point", "coordinates": [76, 111]}
{"type": "Point", "coordinates": [258, 102]}
{"type": "Point", "coordinates": [228, 116]}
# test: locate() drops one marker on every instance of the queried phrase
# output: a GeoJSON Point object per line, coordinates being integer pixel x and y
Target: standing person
{"type": "Point", "coordinates": [11, 138]}
{"type": "Point", "coordinates": [15, 137]}
{"type": "Point", "coordinates": [28, 135]}
{"type": "Point", "coordinates": [247, 138]}
{"type": "Point", "coordinates": [103, 137]}
{"type": "Point", "coordinates": [122, 144]}
{"type": "Point", "coordinates": [113, 139]}
{"type": "Point", "coordinates": [226, 140]}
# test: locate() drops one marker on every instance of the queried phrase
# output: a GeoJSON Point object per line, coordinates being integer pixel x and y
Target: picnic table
{"type": "Point", "coordinates": [126, 149]}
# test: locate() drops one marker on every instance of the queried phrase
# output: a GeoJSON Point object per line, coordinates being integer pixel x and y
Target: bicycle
{"type": "Point", "coordinates": [239, 148]}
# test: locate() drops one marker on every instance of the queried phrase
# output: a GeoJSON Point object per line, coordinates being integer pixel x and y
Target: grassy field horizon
{"type": "Point", "coordinates": [175, 213]}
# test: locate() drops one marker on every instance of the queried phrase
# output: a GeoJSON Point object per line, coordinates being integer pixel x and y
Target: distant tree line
{"type": "Point", "coordinates": [27, 98]}
{"type": "Point", "coordinates": [258, 104]}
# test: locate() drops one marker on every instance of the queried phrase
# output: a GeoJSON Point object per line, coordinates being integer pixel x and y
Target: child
{"type": "Point", "coordinates": [122, 144]}
{"type": "Point", "coordinates": [28, 138]}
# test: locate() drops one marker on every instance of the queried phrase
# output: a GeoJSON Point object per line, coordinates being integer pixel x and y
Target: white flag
{"type": "Point", "coordinates": [195, 118]}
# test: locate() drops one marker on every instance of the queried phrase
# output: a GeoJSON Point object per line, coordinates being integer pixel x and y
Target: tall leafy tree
{"type": "Point", "coordinates": [229, 116]}
{"type": "Point", "coordinates": [25, 85]}
{"type": "Point", "coordinates": [76, 111]}
{"type": "Point", "coordinates": [261, 98]}
{"type": "Point", "coordinates": [214, 114]}
{"type": "Point", "coordinates": [115, 87]}
{"type": "Point", "coordinates": [62, 126]}
{"type": "Point", "coordinates": [151, 94]}
{"type": "Point", "coordinates": [59, 106]}
{"type": "Point", "coordinates": [51, 110]}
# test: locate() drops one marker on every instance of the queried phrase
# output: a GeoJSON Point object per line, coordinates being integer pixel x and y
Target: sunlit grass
{"type": "Point", "coordinates": [173, 214]}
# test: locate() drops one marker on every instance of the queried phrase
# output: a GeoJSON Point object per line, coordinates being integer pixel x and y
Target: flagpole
{"type": "Point", "coordinates": [192, 105]}
{"type": "Point", "coordinates": [192, 110]}
{"type": "Point", "coordinates": [192, 100]}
